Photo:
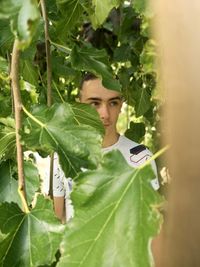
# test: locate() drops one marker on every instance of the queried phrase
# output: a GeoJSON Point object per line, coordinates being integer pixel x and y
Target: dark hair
{"type": "Point", "coordinates": [87, 77]}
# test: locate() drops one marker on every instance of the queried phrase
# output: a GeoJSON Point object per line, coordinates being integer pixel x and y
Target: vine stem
{"type": "Point", "coordinates": [49, 80]}
{"type": "Point", "coordinates": [32, 117]}
{"type": "Point", "coordinates": [155, 156]}
{"type": "Point", "coordinates": [18, 121]}
{"type": "Point", "coordinates": [48, 53]}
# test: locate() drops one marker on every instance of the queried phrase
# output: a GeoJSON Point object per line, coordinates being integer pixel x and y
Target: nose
{"type": "Point", "coordinates": [104, 112]}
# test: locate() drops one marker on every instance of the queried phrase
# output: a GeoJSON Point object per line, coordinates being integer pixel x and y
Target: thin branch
{"type": "Point", "coordinates": [18, 120]}
{"type": "Point", "coordinates": [9, 71]}
{"type": "Point", "coordinates": [49, 80]}
{"type": "Point", "coordinates": [58, 92]}
{"type": "Point", "coordinates": [48, 53]}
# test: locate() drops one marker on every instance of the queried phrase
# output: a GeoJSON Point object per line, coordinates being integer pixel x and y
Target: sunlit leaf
{"type": "Point", "coordinates": [32, 180]}
{"type": "Point", "coordinates": [73, 131]}
{"type": "Point", "coordinates": [27, 21]}
{"type": "Point", "coordinates": [30, 239]}
{"type": "Point", "coordinates": [95, 61]}
{"type": "Point", "coordinates": [148, 57]}
{"type": "Point", "coordinates": [143, 7]}
{"type": "Point", "coordinates": [101, 10]}
{"type": "Point", "coordinates": [115, 217]}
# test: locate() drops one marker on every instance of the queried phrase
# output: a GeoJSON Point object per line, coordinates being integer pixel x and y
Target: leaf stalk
{"type": "Point", "coordinates": [18, 120]}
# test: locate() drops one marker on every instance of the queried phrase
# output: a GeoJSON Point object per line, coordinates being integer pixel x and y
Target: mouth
{"type": "Point", "coordinates": [106, 124]}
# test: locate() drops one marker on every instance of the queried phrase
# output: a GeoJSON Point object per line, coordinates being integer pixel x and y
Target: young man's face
{"type": "Point", "coordinates": [108, 103]}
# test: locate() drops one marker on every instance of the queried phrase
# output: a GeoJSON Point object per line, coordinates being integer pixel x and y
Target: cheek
{"type": "Point", "coordinates": [115, 114]}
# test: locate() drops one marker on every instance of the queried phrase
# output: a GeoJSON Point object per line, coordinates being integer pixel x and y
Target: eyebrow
{"type": "Point", "coordinates": [100, 99]}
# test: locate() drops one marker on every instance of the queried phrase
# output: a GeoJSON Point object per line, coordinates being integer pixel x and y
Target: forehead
{"type": "Point", "coordinates": [95, 89]}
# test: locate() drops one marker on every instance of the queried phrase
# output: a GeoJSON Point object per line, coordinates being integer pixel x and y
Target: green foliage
{"type": "Point", "coordinates": [7, 138]}
{"type": "Point", "coordinates": [24, 16]}
{"type": "Point", "coordinates": [3, 65]}
{"type": "Point", "coordinates": [142, 100]}
{"type": "Point", "coordinates": [95, 61]}
{"type": "Point", "coordinates": [101, 10]}
{"type": "Point", "coordinates": [70, 11]}
{"type": "Point", "coordinates": [68, 130]}
{"type": "Point", "coordinates": [10, 8]}
{"type": "Point", "coordinates": [8, 183]}
{"type": "Point", "coordinates": [32, 181]}
{"type": "Point", "coordinates": [25, 237]}
{"type": "Point", "coordinates": [136, 132]}
{"type": "Point", "coordinates": [115, 216]}
{"type": "Point", "coordinates": [113, 225]}
{"type": "Point", "coordinates": [27, 21]}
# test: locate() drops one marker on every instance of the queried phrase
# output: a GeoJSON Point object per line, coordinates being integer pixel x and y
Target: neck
{"type": "Point", "coordinates": [110, 139]}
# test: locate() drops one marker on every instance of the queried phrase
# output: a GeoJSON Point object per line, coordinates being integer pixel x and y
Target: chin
{"type": "Point", "coordinates": [108, 130]}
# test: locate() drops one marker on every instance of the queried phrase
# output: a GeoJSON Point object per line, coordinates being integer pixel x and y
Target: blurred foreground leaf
{"type": "Point", "coordinates": [115, 217]}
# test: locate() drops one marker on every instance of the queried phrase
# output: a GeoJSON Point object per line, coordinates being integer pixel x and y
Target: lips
{"type": "Point", "coordinates": [106, 124]}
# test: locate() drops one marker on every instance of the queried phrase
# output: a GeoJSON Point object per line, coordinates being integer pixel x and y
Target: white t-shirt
{"type": "Point", "coordinates": [134, 154]}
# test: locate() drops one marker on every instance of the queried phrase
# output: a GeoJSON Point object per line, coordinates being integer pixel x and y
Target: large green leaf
{"type": "Point", "coordinates": [129, 26]}
{"type": "Point", "coordinates": [62, 68]}
{"type": "Point", "coordinates": [29, 239]}
{"type": "Point", "coordinates": [73, 131]}
{"type": "Point", "coordinates": [101, 10]}
{"type": "Point", "coordinates": [71, 11]}
{"type": "Point", "coordinates": [115, 217]}
{"type": "Point", "coordinates": [95, 61]}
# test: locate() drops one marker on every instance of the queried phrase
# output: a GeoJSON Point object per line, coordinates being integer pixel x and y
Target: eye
{"type": "Point", "coordinates": [114, 103]}
{"type": "Point", "coordinates": [94, 104]}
